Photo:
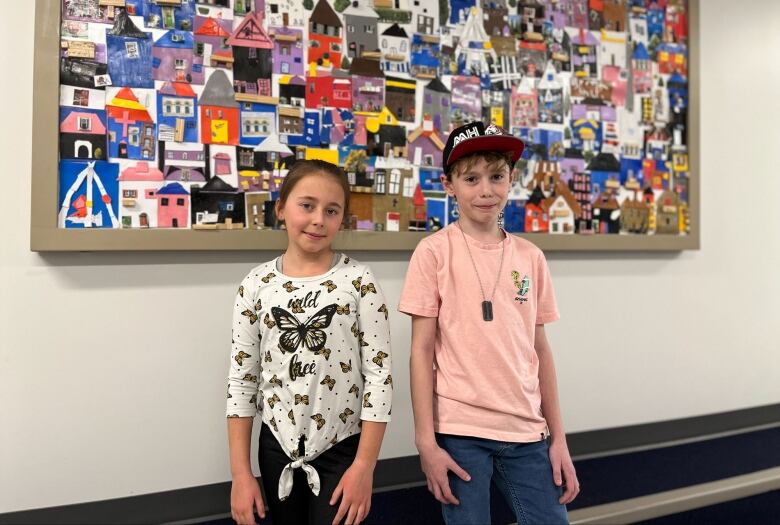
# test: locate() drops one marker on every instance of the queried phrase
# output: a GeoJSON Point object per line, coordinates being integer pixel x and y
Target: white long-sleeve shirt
{"type": "Point", "coordinates": [312, 354]}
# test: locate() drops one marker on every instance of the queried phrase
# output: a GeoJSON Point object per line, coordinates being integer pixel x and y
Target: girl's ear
{"type": "Point", "coordinates": [279, 209]}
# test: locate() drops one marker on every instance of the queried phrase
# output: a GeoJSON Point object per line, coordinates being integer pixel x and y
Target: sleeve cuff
{"type": "Point", "coordinates": [244, 412]}
{"type": "Point", "coordinates": [548, 317]}
{"type": "Point", "coordinates": [374, 417]}
{"type": "Point", "coordinates": [413, 309]}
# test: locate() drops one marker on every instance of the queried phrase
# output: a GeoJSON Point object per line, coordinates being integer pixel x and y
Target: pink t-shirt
{"type": "Point", "coordinates": [486, 381]}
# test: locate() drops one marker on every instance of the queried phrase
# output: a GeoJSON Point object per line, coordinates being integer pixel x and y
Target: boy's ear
{"type": "Point", "coordinates": [447, 186]}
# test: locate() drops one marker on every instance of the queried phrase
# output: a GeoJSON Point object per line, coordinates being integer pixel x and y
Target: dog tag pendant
{"type": "Point", "coordinates": [487, 310]}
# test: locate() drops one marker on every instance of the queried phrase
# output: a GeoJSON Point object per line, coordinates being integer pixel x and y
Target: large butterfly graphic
{"type": "Point", "coordinates": [310, 333]}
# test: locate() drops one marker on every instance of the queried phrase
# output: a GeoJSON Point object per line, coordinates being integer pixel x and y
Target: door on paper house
{"type": "Point", "coordinates": [219, 131]}
{"type": "Point", "coordinates": [169, 21]}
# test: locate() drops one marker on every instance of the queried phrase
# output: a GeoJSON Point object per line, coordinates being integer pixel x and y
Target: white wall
{"type": "Point", "coordinates": [112, 366]}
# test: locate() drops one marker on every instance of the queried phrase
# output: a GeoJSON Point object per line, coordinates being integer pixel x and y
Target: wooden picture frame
{"type": "Point", "coordinates": [45, 236]}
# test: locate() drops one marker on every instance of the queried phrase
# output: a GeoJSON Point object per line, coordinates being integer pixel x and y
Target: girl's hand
{"type": "Point", "coordinates": [245, 496]}
{"type": "Point", "coordinates": [354, 489]}
{"type": "Point", "coordinates": [563, 471]}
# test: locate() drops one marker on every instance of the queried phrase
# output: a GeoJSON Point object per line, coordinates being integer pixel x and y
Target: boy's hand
{"type": "Point", "coordinates": [354, 489]}
{"type": "Point", "coordinates": [436, 462]}
{"type": "Point", "coordinates": [244, 497]}
{"type": "Point", "coordinates": [563, 471]}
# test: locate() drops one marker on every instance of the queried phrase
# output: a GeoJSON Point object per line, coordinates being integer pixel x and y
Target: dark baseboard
{"type": "Point", "coordinates": [650, 434]}
{"type": "Point", "coordinates": [210, 500]}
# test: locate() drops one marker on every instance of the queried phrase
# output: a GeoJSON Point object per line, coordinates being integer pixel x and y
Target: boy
{"type": "Point", "coordinates": [479, 299]}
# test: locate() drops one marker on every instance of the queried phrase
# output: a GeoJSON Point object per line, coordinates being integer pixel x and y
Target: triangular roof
{"type": "Point", "coordinates": [218, 91]}
{"type": "Point", "coordinates": [585, 37]}
{"type": "Point", "coordinates": [141, 172]}
{"type": "Point", "coordinates": [418, 199]}
{"type": "Point", "coordinates": [367, 67]}
{"type": "Point", "coordinates": [271, 144]}
{"type": "Point", "coordinates": [537, 196]}
{"type": "Point", "coordinates": [432, 135]}
{"type": "Point", "coordinates": [173, 188]}
{"type": "Point", "coordinates": [211, 27]}
{"type": "Point", "coordinates": [605, 200]}
{"type": "Point", "coordinates": [251, 33]}
{"type": "Point", "coordinates": [179, 89]}
{"type": "Point", "coordinates": [360, 10]}
{"type": "Point", "coordinates": [125, 100]}
{"type": "Point", "coordinates": [70, 124]}
{"type": "Point", "coordinates": [437, 86]}
{"type": "Point", "coordinates": [324, 14]}
{"type": "Point", "coordinates": [640, 52]}
{"type": "Point", "coordinates": [561, 190]}
{"type": "Point", "coordinates": [217, 185]}
{"type": "Point", "coordinates": [550, 79]}
{"type": "Point", "coordinates": [124, 26]}
{"type": "Point", "coordinates": [676, 78]}
{"type": "Point", "coordinates": [395, 30]}
{"type": "Point", "coordinates": [473, 30]}
{"type": "Point", "coordinates": [175, 39]}
{"type": "Point", "coordinates": [604, 162]}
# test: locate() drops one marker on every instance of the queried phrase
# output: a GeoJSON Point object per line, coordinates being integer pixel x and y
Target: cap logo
{"type": "Point", "coordinates": [465, 135]}
{"type": "Point", "coordinates": [493, 130]}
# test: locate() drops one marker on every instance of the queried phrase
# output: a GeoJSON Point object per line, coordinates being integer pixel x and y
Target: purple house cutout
{"type": "Point", "coordinates": [174, 58]}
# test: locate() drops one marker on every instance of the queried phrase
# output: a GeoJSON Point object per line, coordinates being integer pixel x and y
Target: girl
{"type": "Point", "coordinates": [311, 353]}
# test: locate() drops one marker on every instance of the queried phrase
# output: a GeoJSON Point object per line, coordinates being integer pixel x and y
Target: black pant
{"type": "Point", "coordinates": [302, 507]}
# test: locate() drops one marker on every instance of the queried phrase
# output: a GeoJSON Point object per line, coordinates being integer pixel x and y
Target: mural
{"type": "Point", "coordinates": [188, 113]}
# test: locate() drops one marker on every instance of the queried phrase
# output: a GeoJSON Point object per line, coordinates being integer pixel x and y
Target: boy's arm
{"type": "Point", "coordinates": [355, 485]}
{"type": "Point", "coordinates": [434, 460]}
{"type": "Point", "coordinates": [559, 450]}
{"type": "Point", "coordinates": [421, 370]}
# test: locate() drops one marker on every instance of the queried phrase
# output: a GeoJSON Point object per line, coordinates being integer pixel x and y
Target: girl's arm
{"type": "Point", "coordinates": [244, 378]}
{"type": "Point", "coordinates": [356, 484]}
{"type": "Point", "coordinates": [563, 467]}
{"type": "Point", "coordinates": [245, 494]}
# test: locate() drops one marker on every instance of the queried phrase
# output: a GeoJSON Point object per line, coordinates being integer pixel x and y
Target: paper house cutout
{"type": "Point", "coordinates": [82, 134]}
{"type": "Point", "coordinates": [219, 113]}
{"type": "Point", "coordinates": [88, 194]}
{"type": "Point", "coordinates": [129, 54]}
{"type": "Point", "coordinates": [131, 130]}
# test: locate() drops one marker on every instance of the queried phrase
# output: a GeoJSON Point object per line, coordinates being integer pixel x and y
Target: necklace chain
{"type": "Point", "coordinates": [479, 280]}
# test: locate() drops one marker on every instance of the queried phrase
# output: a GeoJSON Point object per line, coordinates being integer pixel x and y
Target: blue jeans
{"type": "Point", "coordinates": [521, 471]}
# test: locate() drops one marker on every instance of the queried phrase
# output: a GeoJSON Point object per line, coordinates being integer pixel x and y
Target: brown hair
{"type": "Point", "coordinates": [492, 158]}
{"type": "Point", "coordinates": [303, 168]}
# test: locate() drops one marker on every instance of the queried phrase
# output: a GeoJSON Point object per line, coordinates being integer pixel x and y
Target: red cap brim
{"type": "Point", "coordinates": [486, 143]}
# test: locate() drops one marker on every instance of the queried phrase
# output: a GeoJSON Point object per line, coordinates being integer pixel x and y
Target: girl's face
{"type": "Point", "coordinates": [313, 212]}
{"type": "Point", "coordinates": [481, 192]}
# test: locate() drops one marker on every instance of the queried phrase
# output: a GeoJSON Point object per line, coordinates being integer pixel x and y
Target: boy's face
{"type": "Point", "coordinates": [481, 192]}
{"type": "Point", "coordinates": [313, 213]}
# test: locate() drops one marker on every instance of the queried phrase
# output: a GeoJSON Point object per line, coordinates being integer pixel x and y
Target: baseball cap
{"type": "Point", "coordinates": [475, 137]}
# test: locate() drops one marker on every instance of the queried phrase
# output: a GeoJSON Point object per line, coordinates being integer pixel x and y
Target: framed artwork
{"type": "Point", "coordinates": [171, 124]}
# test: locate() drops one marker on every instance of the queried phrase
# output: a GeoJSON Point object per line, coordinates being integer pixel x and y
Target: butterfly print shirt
{"type": "Point", "coordinates": [312, 355]}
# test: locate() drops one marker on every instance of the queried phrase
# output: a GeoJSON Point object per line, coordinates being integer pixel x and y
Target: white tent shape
{"type": "Point", "coordinates": [476, 54]}
{"type": "Point", "coordinates": [90, 220]}
{"type": "Point", "coordinates": [272, 145]}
